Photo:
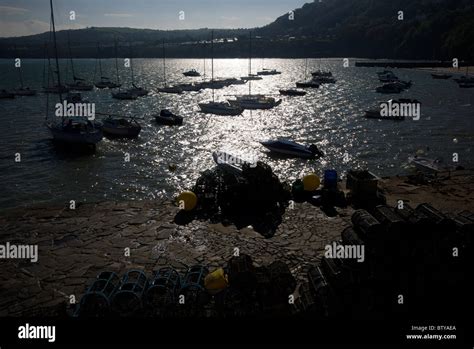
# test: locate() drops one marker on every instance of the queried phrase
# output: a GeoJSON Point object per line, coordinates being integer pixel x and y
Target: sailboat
{"type": "Point", "coordinates": [217, 107]}
{"type": "Point", "coordinates": [70, 130]}
{"type": "Point", "coordinates": [54, 88]}
{"type": "Point", "coordinates": [266, 71]}
{"type": "Point", "coordinates": [124, 95]}
{"type": "Point", "coordinates": [78, 83]}
{"type": "Point", "coordinates": [251, 76]}
{"type": "Point", "coordinates": [307, 83]}
{"type": "Point", "coordinates": [22, 90]}
{"type": "Point", "coordinates": [139, 91]}
{"type": "Point", "coordinates": [254, 101]}
{"type": "Point", "coordinates": [165, 88]}
{"type": "Point", "coordinates": [120, 127]}
{"type": "Point", "coordinates": [105, 82]}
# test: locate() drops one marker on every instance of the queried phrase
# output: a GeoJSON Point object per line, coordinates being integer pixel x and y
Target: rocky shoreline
{"type": "Point", "coordinates": [75, 245]}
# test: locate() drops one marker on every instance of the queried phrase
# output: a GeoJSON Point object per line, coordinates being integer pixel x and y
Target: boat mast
{"type": "Point", "coordinates": [164, 64]}
{"type": "Point", "coordinates": [100, 61]}
{"type": "Point", "coordinates": [70, 57]}
{"type": "Point", "coordinates": [212, 64]}
{"type": "Point", "coordinates": [56, 53]}
{"type": "Point", "coordinates": [117, 76]}
{"type": "Point", "coordinates": [131, 64]}
{"type": "Point", "coordinates": [250, 62]}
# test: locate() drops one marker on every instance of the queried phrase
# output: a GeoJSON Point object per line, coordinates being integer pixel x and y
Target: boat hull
{"type": "Point", "coordinates": [75, 138]}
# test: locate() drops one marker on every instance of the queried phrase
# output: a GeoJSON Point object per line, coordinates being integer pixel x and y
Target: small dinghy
{"type": "Point", "coordinates": [228, 162]}
{"type": "Point", "coordinates": [292, 92]}
{"type": "Point", "coordinates": [287, 147]}
{"type": "Point", "coordinates": [427, 165]}
{"type": "Point", "coordinates": [166, 117]}
{"type": "Point", "coordinates": [121, 127]}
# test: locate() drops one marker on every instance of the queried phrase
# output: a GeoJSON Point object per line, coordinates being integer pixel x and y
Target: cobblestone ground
{"type": "Point", "coordinates": [75, 245]}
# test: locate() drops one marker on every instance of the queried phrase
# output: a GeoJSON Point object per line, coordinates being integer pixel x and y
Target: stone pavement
{"type": "Point", "coordinates": [75, 245]}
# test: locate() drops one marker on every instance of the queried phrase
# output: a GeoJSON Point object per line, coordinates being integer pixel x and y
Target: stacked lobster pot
{"type": "Point", "coordinates": [127, 300]}
{"type": "Point", "coordinates": [97, 299]}
{"type": "Point", "coordinates": [410, 265]}
{"type": "Point", "coordinates": [161, 297]}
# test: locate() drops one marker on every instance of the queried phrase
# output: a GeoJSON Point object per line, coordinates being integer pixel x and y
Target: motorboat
{"type": "Point", "coordinates": [255, 102]}
{"type": "Point", "coordinates": [192, 73]}
{"type": "Point", "coordinates": [268, 72]}
{"type": "Point", "coordinates": [166, 117]}
{"type": "Point", "coordinates": [220, 108]}
{"type": "Point", "coordinates": [4, 94]}
{"type": "Point", "coordinates": [287, 147]}
{"type": "Point", "coordinates": [124, 95]}
{"type": "Point", "coordinates": [292, 92]}
{"type": "Point", "coordinates": [403, 84]}
{"type": "Point", "coordinates": [121, 127]}
{"type": "Point", "coordinates": [307, 84]}
{"type": "Point", "coordinates": [441, 76]}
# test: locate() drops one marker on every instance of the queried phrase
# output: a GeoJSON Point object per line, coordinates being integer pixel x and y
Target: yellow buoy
{"type": "Point", "coordinates": [215, 281]}
{"type": "Point", "coordinates": [187, 200]}
{"type": "Point", "coordinates": [311, 182]}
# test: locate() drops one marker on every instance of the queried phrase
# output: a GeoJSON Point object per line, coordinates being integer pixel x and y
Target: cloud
{"type": "Point", "coordinates": [10, 10]}
{"type": "Point", "coordinates": [118, 15]}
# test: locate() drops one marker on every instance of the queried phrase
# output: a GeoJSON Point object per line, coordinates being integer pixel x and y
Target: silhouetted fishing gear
{"type": "Point", "coordinates": [127, 300]}
{"type": "Point", "coordinates": [97, 299]}
{"type": "Point", "coordinates": [193, 289]}
{"type": "Point", "coordinates": [163, 289]}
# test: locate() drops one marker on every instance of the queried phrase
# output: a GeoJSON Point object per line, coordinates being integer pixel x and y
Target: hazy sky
{"type": "Point", "coordinates": [24, 17]}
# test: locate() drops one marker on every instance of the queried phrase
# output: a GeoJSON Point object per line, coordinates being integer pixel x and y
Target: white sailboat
{"type": "Point", "coordinates": [71, 130]}
{"type": "Point", "coordinates": [78, 83]}
{"type": "Point", "coordinates": [254, 101]}
{"type": "Point", "coordinates": [136, 90]}
{"type": "Point", "coordinates": [105, 81]}
{"type": "Point", "coordinates": [218, 107]}
{"type": "Point", "coordinates": [165, 88]}
{"type": "Point", "coordinates": [123, 95]}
